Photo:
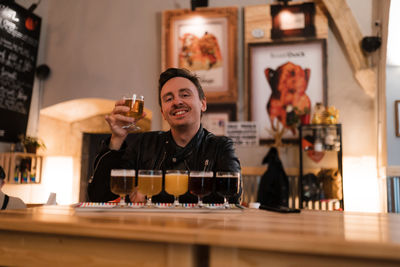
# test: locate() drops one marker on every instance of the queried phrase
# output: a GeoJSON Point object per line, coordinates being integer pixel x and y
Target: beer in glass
{"type": "Point", "coordinates": [136, 105]}
{"type": "Point", "coordinates": [122, 183]}
{"type": "Point", "coordinates": [227, 185]}
{"type": "Point", "coordinates": [200, 185]}
{"type": "Point", "coordinates": [176, 183]}
{"type": "Point", "coordinates": [149, 184]}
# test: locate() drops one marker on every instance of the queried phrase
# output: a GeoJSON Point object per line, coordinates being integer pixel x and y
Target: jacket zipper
{"type": "Point", "coordinates": [205, 164]}
{"type": "Point", "coordinates": [97, 165]}
{"type": "Point", "coordinates": [162, 160]}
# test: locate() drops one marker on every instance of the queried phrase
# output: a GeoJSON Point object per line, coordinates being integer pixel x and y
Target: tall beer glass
{"type": "Point", "coordinates": [149, 184]}
{"type": "Point", "coordinates": [122, 183]}
{"type": "Point", "coordinates": [200, 185]}
{"type": "Point", "coordinates": [136, 105]}
{"type": "Point", "coordinates": [176, 183]}
{"type": "Point", "coordinates": [227, 185]}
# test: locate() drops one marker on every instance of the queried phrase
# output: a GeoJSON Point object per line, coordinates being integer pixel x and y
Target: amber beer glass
{"type": "Point", "coordinates": [149, 184]}
{"type": "Point", "coordinates": [176, 183]}
{"type": "Point", "coordinates": [122, 183]}
{"type": "Point", "coordinates": [136, 105]}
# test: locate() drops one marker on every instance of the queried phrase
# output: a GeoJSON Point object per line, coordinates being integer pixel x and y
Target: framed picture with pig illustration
{"type": "Point", "coordinates": [204, 41]}
{"type": "Point", "coordinates": [286, 80]}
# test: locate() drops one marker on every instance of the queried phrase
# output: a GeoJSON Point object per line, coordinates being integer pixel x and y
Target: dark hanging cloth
{"type": "Point", "coordinates": [5, 202]}
{"type": "Point", "coordinates": [274, 184]}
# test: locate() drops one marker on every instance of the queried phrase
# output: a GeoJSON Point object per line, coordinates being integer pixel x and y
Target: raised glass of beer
{"type": "Point", "coordinates": [176, 183]}
{"type": "Point", "coordinates": [227, 185]}
{"type": "Point", "coordinates": [200, 185]}
{"type": "Point", "coordinates": [136, 105]}
{"type": "Point", "coordinates": [122, 183]}
{"type": "Point", "coordinates": [149, 184]}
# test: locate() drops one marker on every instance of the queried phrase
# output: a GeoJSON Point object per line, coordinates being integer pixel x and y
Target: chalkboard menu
{"type": "Point", "coordinates": [19, 43]}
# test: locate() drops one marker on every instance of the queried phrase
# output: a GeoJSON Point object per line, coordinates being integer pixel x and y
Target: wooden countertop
{"type": "Point", "coordinates": [367, 235]}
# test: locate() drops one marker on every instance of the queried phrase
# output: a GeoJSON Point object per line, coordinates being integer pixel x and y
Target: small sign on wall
{"type": "Point", "coordinates": [243, 133]}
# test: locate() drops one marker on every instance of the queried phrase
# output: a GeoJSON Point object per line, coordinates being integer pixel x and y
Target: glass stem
{"type": "Point", "coordinates": [200, 202]}
{"type": "Point", "coordinates": [149, 203]}
{"type": "Point", "coordinates": [122, 200]}
{"type": "Point", "coordinates": [226, 203]}
{"type": "Point", "coordinates": [176, 201]}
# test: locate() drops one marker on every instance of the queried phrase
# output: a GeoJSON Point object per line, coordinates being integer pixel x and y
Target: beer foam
{"type": "Point", "coordinates": [201, 174]}
{"type": "Point", "coordinates": [150, 176]}
{"type": "Point", "coordinates": [122, 172]}
{"type": "Point", "coordinates": [227, 174]}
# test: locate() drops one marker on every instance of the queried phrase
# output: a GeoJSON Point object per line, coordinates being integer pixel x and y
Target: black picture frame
{"type": "Point", "coordinates": [306, 9]}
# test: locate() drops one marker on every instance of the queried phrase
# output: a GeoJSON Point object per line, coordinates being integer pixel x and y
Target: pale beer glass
{"type": "Point", "coordinates": [149, 184]}
{"type": "Point", "coordinates": [176, 183]}
{"type": "Point", "coordinates": [227, 185]}
{"type": "Point", "coordinates": [136, 105]}
{"type": "Point", "coordinates": [122, 183]}
{"type": "Point", "coordinates": [200, 185]}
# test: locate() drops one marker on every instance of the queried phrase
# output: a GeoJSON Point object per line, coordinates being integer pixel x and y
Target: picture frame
{"type": "Point", "coordinates": [269, 95]}
{"type": "Point", "coordinates": [215, 118]}
{"type": "Point", "coordinates": [296, 20]}
{"type": "Point", "coordinates": [204, 41]}
{"type": "Point", "coordinates": [397, 116]}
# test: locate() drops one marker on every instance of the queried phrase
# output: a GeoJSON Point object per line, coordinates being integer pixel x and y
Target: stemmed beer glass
{"type": "Point", "coordinates": [176, 183]}
{"type": "Point", "coordinates": [200, 185]}
{"type": "Point", "coordinates": [122, 183]}
{"type": "Point", "coordinates": [149, 184]}
{"type": "Point", "coordinates": [136, 105]}
{"type": "Point", "coordinates": [227, 185]}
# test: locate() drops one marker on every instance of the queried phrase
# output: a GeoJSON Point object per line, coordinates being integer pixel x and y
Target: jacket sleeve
{"type": "Point", "coordinates": [228, 161]}
{"type": "Point", "coordinates": [226, 158]}
{"type": "Point", "coordinates": [99, 184]}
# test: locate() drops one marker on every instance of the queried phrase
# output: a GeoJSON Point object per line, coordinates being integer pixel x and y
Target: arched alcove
{"type": "Point", "coordinates": [61, 127]}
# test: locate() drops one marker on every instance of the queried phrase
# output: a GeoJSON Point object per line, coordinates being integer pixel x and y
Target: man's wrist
{"type": "Point", "coordinates": [115, 142]}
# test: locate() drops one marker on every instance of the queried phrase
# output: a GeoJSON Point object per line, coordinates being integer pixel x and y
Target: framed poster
{"type": "Point", "coordinates": [286, 80]}
{"type": "Point", "coordinates": [217, 116]}
{"type": "Point", "coordinates": [397, 111]}
{"type": "Point", "coordinates": [204, 41]}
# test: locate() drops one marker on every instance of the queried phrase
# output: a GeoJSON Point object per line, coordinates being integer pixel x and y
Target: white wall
{"type": "Point", "coordinates": [393, 85]}
{"type": "Point", "coordinates": [392, 94]}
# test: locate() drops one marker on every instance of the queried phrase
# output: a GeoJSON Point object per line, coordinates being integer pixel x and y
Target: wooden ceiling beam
{"type": "Point", "coordinates": [348, 31]}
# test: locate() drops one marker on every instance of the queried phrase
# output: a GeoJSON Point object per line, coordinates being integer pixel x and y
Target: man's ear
{"type": "Point", "coordinates": [162, 113]}
{"type": "Point", "coordinates": [204, 104]}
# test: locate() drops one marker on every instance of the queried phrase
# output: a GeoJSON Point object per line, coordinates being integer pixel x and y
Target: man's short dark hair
{"type": "Point", "coordinates": [176, 72]}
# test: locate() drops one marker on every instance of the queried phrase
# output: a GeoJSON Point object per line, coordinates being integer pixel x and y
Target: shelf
{"type": "Point", "coordinates": [320, 149]}
{"type": "Point", "coordinates": [22, 168]}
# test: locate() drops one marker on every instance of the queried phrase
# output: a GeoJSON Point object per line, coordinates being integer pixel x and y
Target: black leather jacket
{"type": "Point", "coordinates": [158, 151]}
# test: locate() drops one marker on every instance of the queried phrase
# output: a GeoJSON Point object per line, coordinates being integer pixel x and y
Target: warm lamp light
{"type": "Point", "coordinates": [360, 184]}
{"type": "Point", "coordinates": [292, 20]}
{"type": "Point", "coordinates": [58, 178]}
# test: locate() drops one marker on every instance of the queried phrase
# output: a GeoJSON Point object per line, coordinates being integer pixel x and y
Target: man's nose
{"type": "Point", "coordinates": [177, 101]}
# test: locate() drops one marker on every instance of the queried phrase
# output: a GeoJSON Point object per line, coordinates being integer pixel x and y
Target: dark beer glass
{"type": "Point", "coordinates": [122, 183]}
{"type": "Point", "coordinates": [136, 105]}
{"type": "Point", "coordinates": [200, 185]}
{"type": "Point", "coordinates": [227, 185]}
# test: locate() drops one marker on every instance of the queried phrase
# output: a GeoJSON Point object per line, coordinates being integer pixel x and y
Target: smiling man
{"type": "Point", "coordinates": [186, 146]}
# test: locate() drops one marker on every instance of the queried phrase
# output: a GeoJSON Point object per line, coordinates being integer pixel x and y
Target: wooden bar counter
{"type": "Point", "coordinates": [61, 236]}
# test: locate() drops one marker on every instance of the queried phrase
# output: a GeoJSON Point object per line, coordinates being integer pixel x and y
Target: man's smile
{"type": "Point", "coordinates": [179, 111]}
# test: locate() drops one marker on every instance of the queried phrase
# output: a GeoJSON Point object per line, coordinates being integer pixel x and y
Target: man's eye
{"type": "Point", "coordinates": [185, 95]}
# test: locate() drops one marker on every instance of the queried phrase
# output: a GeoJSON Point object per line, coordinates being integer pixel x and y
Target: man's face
{"type": "Point", "coordinates": [180, 103]}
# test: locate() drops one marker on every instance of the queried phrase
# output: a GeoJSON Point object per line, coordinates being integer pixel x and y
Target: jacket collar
{"type": "Point", "coordinates": [180, 153]}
